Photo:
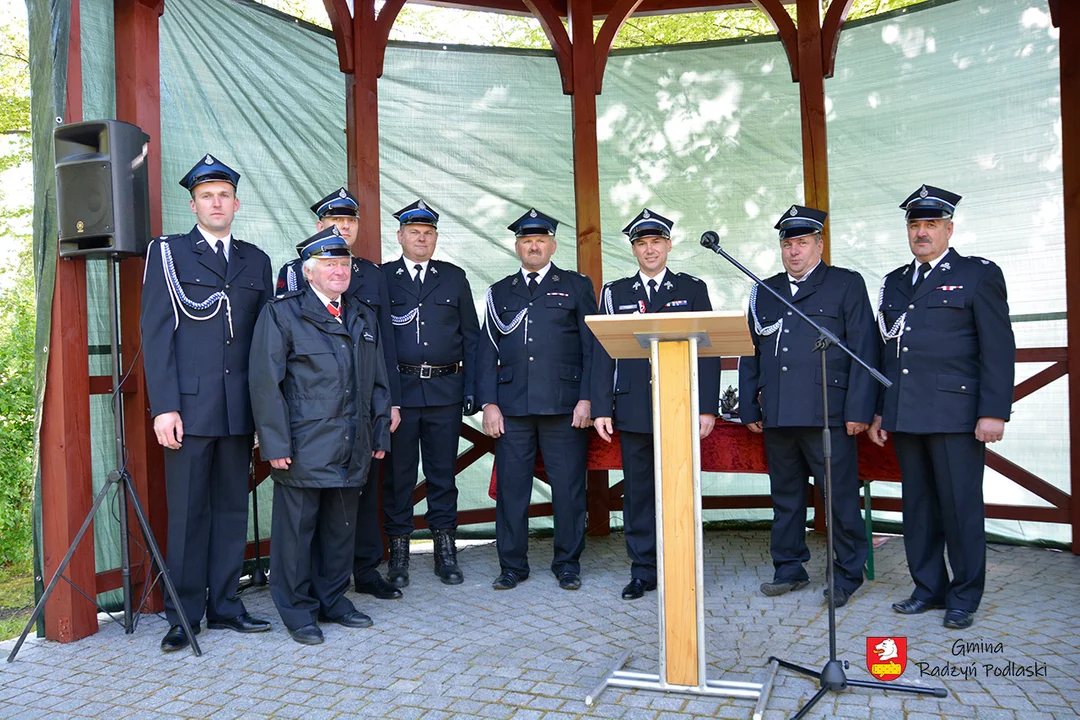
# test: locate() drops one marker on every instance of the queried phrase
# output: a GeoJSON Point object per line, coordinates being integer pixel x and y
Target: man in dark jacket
{"type": "Point", "coordinates": [780, 387]}
{"type": "Point", "coordinates": [322, 409]}
{"type": "Point", "coordinates": [339, 209]}
{"type": "Point", "coordinates": [435, 335]}
{"type": "Point", "coordinates": [622, 391]}
{"type": "Point", "coordinates": [950, 353]}
{"type": "Point", "coordinates": [202, 293]}
{"type": "Point", "coordinates": [535, 360]}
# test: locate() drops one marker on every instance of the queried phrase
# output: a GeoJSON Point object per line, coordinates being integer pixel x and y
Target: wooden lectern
{"type": "Point", "coordinates": [673, 342]}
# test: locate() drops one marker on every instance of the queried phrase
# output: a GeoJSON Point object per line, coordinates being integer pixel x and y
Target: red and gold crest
{"type": "Point", "coordinates": [886, 657]}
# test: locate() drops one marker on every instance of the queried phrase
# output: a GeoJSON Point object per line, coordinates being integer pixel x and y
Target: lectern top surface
{"type": "Point", "coordinates": [719, 332]}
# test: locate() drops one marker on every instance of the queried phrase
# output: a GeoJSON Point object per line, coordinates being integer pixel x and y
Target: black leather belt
{"type": "Point", "coordinates": [426, 371]}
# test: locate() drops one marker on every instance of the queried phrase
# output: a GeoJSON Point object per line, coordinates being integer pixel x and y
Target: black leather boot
{"type": "Point", "coordinates": [398, 568]}
{"type": "Point", "coordinates": [446, 566]}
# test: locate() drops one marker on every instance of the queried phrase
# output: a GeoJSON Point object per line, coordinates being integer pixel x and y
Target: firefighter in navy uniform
{"type": "Point", "coordinates": [622, 392]}
{"type": "Point", "coordinates": [435, 335]}
{"type": "Point", "coordinates": [340, 209]}
{"type": "Point", "coordinates": [202, 293]}
{"type": "Point", "coordinates": [534, 368]}
{"type": "Point", "coordinates": [780, 387]}
{"type": "Point", "coordinates": [950, 353]}
{"type": "Point", "coordinates": [322, 406]}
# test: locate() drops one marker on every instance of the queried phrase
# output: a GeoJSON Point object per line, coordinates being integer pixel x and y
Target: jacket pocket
{"type": "Point", "coordinates": [964, 385]}
{"type": "Point", "coordinates": [189, 385]}
{"type": "Point", "coordinates": [506, 374]}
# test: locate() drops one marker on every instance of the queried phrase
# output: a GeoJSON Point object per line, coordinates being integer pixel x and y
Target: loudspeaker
{"type": "Point", "coordinates": [102, 188]}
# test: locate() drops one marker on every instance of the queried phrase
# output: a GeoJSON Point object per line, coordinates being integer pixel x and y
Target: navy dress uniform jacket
{"type": "Point", "coordinates": [954, 359]}
{"type": "Point", "coordinates": [368, 286]}
{"type": "Point", "coordinates": [622, 389]}
{"type": "Point", "coordinates": [443, 330]}
{"type": "Point", "coordinates": [544, 366]}
{"type": "Point", "coordinates": [195, 367]}
{"type": "Point", "coordinates": [319, 390]}
{"type": "Point", "coordinates": [780, 384]}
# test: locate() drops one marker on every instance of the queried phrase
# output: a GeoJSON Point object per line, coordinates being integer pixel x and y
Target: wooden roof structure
{"type": "Point", "coordinates": [810, 41]}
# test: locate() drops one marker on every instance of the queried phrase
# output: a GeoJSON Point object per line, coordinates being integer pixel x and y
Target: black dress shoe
{"type": "Point", "coordinates": [840, 595]}
{"type": "Point", "coordinates": [636, 588]}
{"type": "Point", "coordinates": [782, 587]}
{"type": "Point", "coordinates": [508, 580]}
{"type": "Point", "coordinates": [379, 588]}
{"type": "Point", "coordinates": [914, 606]}
{"type": "Point", "coordinates": [351, 619]}
{"type": "Point", "coordinates": [958, 619]}
{"type": "Point", "coordinates": [569, 580]}
{"type": "Point", "coordinates": [307, 635]}
{"type": "Point", "coordinates": [241, 624]}
{"type": "Point", "coordinates": [177, 639]}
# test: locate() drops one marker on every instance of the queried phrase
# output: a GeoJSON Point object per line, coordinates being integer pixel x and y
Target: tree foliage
{"type": "Point", "coordinates": [17, 304]}
{"type": "Point", "coordinates": [447, 25]}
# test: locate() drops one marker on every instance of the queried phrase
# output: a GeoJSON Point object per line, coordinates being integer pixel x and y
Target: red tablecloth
{"type": "Point", "coordinates": [731, 448]}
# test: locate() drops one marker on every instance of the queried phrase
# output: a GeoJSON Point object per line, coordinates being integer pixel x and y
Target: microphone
{"type": "Point", "coordinates": [711, 240]}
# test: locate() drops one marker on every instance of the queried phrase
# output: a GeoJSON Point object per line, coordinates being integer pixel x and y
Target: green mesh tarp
{"type": "Point", "coordinates": [959, 94]}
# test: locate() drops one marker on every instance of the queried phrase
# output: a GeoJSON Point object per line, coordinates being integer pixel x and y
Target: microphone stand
{"type": "Point", "coordinates": [832, 677]}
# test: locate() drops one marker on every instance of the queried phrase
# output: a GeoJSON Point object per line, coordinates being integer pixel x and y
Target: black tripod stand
{"type": "Point", "coordinates": [125, 493]}
{"type": "Point", "coordinates": [832, 677]}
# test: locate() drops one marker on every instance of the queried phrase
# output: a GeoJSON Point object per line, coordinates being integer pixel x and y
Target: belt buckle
{"type": "Point", "coordinates": [425, 371]}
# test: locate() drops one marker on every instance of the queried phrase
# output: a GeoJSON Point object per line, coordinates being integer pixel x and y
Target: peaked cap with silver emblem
{"type": "Point", "coordinates": [648, 224]}
{"type": "Point", "coordinates": [799, 221]}
{"type": "Point", "coordinates": [208, 169]}
{"type": "Point", "coordinates": [419, 213]}
{"type": "Point", "coordinates": [930, 202]}
{"type": "Point", "coordinates": [340, 203]}
{"type": "Point", "coordinates": [533, 222]}
{"type": "Point", "coordinates": [324, 244]}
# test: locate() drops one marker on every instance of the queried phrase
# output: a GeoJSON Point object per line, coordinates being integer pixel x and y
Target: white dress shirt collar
{"type": "Point", "coordinates": [933, 264]}
{"type": "Point", "coordinates": [212, 241]}
{"type": "Point", "coordinates": [540, 274]}
{"type": "Point", "coordinates": [411, 267]}
{"type": "Point", "coordinates": [659, 279]}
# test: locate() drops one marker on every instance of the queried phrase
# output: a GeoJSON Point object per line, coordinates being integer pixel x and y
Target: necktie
{"type": "Point", "coordinates": [419, 278]}
{"type": "Point", "coordinates": [335, 308]}
{"type": "Point", "coordinates": [924, 269]}
{"type": "Point", "coordinates": [533, 284]}
{"type": "Point", "coordinates": [219, 250]}
{"type": "Point", "coordinates": [652, 292]}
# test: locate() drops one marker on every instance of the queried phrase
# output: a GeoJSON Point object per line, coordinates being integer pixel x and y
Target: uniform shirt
{"type": "Point", "coordinates": [435, 325]}
{"type": "Point", "coordinates": [535, 354]}
{"type": "Point", "coordinates": [948, 347]}
{"type": "Point", "coordinates": [621, 389]}
{"type": "Point", "coordinates": [780, 384]}
{"type": "Point", "coordinates": [199, 367]}
{"type": "Point", "coordinates": [213, 240]}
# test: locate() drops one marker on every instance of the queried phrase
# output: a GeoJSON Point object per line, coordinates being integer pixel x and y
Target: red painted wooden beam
{"type": "Point", "coordinates": [835, 18]}
{"type": "Point", "coordinates": [341, 23]}
{"type": "Point", "coordinates": [138, 101]}
{"type": "Point", "coordinates": [551, 23]}
{"type": "Point", "coordinates": [385, 22]}
{"type": "Point", "coordinates": [812, 111]}
{"type": "Point", "coordinates": [1068, 20]}
{"type": "Point", "coordinates": [605, 39]}
{"type": "Point", "coordinates": [785, 28]}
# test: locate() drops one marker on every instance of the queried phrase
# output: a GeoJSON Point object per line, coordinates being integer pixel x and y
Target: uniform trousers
{"type": "Point", "coordinates": [206, 485]}
{"type": "Point", "coordinates": [639, 504]}
{"type": "Point", "coordinates": [434, 433]}
{"type": "Point", "coordinates": [942, 480]}
{"type": "Point", "coordinates": [368, 550]}
{"type": "Point", "coordinates": [793, 454]}
{"type": "Point", "coordinates": [311, 557]}
{"type": "Point", "coordinates": [564, 449]}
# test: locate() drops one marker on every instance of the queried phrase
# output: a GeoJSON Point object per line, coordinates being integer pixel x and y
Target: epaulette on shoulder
{"type": "Point", "coordinates": [286, 295]}
{"type": "Point", "coordinates": [363, 261]}
{"type": "Point", "coordinates": [688, 276]}
{"type": "Point", "coordinates": [166, 238]}
{"type": "Point", "coordinates": [984, 261]}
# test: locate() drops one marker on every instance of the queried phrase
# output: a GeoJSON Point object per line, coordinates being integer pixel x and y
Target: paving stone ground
{"type": "Point", "coordinates": [534, 652]}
